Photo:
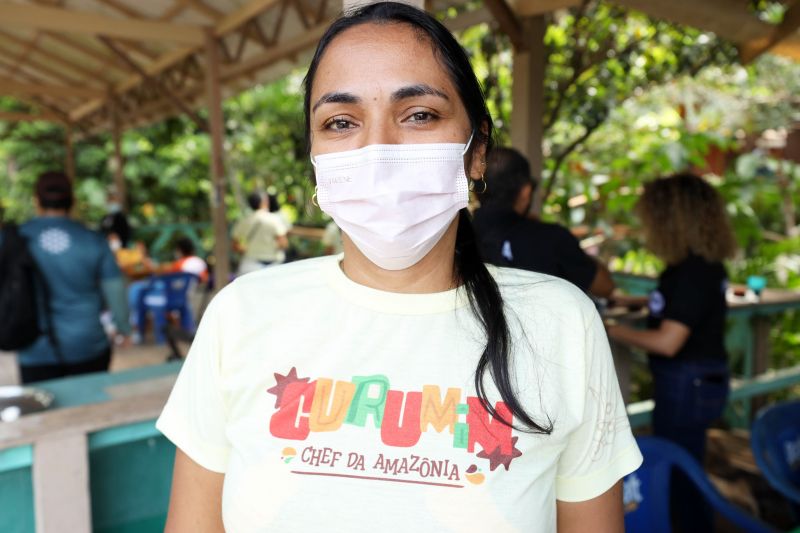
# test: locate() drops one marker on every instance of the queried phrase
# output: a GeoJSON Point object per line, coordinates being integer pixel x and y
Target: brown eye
{"type": "Point", "coordinates": [422, 116]}
{"type": "Point", "coordinates": [338, 124]}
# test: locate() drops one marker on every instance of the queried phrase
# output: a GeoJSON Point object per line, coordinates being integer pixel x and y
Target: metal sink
{"type": "Point", "coordinates": [19, 401]}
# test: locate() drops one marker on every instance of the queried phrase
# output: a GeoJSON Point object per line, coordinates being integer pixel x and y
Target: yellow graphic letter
{"type": "Point", "coordinates": [325, 418]}
{"type": "Point", "coordinates": [439, 414]}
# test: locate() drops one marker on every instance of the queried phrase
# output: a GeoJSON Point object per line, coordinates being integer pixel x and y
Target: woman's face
{"type": "Point", "coordinates": [381, 84]}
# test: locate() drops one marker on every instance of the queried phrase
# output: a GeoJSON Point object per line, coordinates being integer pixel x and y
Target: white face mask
{"type": "Point", "coordinates": [395, 201]}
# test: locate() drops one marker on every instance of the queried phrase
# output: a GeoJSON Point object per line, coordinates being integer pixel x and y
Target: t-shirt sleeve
{"type": "Point", "coordinates": [280, 226]}
{"type": "Point", "coordinates": [687, 300]}
{"type": "Point", "coordinates": [576, 265]}
{"type": "Point", "coordinates": [601, 450]}
{"type": "Point", "coordinates": [194, 417]}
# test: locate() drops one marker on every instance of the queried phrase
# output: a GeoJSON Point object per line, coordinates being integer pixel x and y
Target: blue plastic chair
{"type": "Point", "coordinates": [775, 439]}
{"type": "Point", "coordinates": [646, 491]}
{"type": "Point", "coordinates": [166, 294]}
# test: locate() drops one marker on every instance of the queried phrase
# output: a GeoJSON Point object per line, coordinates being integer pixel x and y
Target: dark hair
{"type": "Point", "coordinates": [255, 199]}
{"type": "Point", "coordinates": [185, 246]}
{"type": "Point", "coordinates": [274, 205]}
{"type": "Point", "coordinates": [684, 214]}
{"type": "Point", "coordinates": [507, 172]}
{"type": "Point", "coordinates": [482, 290]}
{"type": "Point", "coordinates": [54, 190]}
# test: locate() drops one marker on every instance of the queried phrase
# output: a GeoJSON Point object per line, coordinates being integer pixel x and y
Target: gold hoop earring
{"type": "Point", "coordinates": [472, 185]}
{"type": "Point", "coordinates": [314, 198]}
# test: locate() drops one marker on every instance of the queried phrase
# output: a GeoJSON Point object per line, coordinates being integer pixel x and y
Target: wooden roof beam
{"type": "Point", "coordinates": [35, 66]}
{"type": "Point", "coordinates": [248, 12]}
{"type": "Point", "coordinates": [11, 116]}
{"type": "Point", "coordinates": [87, 50]}
{"type": "Point", "coordinates": [230, 23]}
{"type": "Point", "coordinates": [8, 86]}
{"type": "Point", "coordinates": [729, 20]}
{"type": "Point", "coordinates": [281, 51]}
{"type": "Point", "coordinates": [788, 26]}
{"type": "Point", "coordinates": [508, 21]}
{"type": "Point", "coordinates": [531, 8]}
{"type": "Point", "coordinates": [179, 103]}
{"type": "Point", "coordinates": [36, 49]}
{"type": "Point", "coordinates": [210, 12]}
{"type": "Point", "coordinates": [66, 21]}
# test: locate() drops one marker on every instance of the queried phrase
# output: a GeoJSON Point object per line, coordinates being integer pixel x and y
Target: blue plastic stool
{"type": "Point", "coordinates": [775, 440]}
{"type": "Point", "coordinates": [646, 491]}
{"type": "Point", "coordinates": [166, 294]}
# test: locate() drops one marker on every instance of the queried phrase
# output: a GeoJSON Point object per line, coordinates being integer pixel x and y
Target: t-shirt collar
{"type": "Point", "coordinates": [390, 302]}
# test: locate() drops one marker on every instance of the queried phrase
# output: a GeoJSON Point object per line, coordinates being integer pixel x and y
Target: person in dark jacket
{"type": "Point", "coordinates": [508, 237]}
{"type": "Point", "coordinates": [82, 279]}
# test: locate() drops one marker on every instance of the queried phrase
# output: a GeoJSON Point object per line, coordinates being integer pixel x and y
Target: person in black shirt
{"type": "Point", "coordinates": [686, 225]}
{"type": "Point", "coordinates": [115, 222]}
{"type": "Point", "coordinates": [506, 237]}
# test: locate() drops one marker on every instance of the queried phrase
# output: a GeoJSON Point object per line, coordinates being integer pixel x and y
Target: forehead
{"type": "Point", "coordinates": [373, 56]}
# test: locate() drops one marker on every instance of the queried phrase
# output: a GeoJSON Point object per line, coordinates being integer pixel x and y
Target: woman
{"type": "Point", "coordinates": [686, 225]}
{"type": "Point", "coordinates": [382, 393]}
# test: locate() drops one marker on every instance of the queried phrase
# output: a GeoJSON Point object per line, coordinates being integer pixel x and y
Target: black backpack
{"type": "Point", "coordinates": [19, 312]}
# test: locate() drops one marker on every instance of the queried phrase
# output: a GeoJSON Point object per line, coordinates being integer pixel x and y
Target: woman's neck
{"type": "Point", "coordinates": [433, 273]}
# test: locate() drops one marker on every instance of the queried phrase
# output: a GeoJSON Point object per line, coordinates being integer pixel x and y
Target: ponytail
{"type": "Point", "coordinates": [487, 305]}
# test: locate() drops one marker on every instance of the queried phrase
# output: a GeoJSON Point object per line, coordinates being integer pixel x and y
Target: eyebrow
{"type": "Point", "coordinates": [336, 98]}
{"type": "Point", "coordinates": [420, 89]}
{"type": "Point", "coordinates": [410, 91]}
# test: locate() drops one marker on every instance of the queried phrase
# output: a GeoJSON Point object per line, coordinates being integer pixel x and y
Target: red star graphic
{"type": "Point", "coordinates": [497, 458]}
{"type": "Point", "coordinates": [281, 382]}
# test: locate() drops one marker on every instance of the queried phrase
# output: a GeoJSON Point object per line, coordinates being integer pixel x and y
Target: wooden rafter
{"type": "Point", "coordinates": [35, 48]}
{"type": "Point", "coordinates": [97, 55]}
{"type": "Point", "coordinates": [530, 8]}
{"type": "Point", "coordinates": [12, 116]}
{"type": "Point", "coordinates": [205, 9]}
{"type": "Point", "coordinates": [729, 20]}
{"type": "Point", "coordinates": [180, 104]}
{"type": "Point", "coordinates": [139, 48]}
{"type": "Point", "coordinates": [278, 52]}
{"type": "Point", "coordinates": [64, 20]}
{"type": "Point", "coordinates": [122, 8]}
{"type": "Point", "coordinates": [230, 23]}
{"type": "Point", "coordinates": [239, 17]}
{"type": "Point", "coordinates": [36, 66]}
{"type": "Point", "coordinates": [8, 86]}
{"type": "Point", "coordinates": [508, 22]}
{"type": "Point", "coordinates": [174, 10]}
{"type": "Point", "coordinates": [788, 26]}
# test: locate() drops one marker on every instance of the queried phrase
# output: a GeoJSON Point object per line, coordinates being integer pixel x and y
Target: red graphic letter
{"type": "Point", "coordinates": [393, 433]}
{"type": "Point", "coordinates": [486, 431]}
{"type": "Point", "coordinates": [290, 421]}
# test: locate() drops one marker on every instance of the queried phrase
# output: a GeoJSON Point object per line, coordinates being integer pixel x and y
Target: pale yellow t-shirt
{"type": "Point", "coordinates": [348, 409]}
{"type": "Point", "coordinates": [258, 234]}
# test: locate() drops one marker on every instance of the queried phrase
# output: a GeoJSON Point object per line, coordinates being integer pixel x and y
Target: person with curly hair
{"type": "Point", "coordinates": [686, 225]}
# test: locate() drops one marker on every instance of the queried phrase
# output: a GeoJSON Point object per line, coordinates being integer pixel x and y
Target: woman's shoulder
{"type": "Point", "coordinates": [541, 295]}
